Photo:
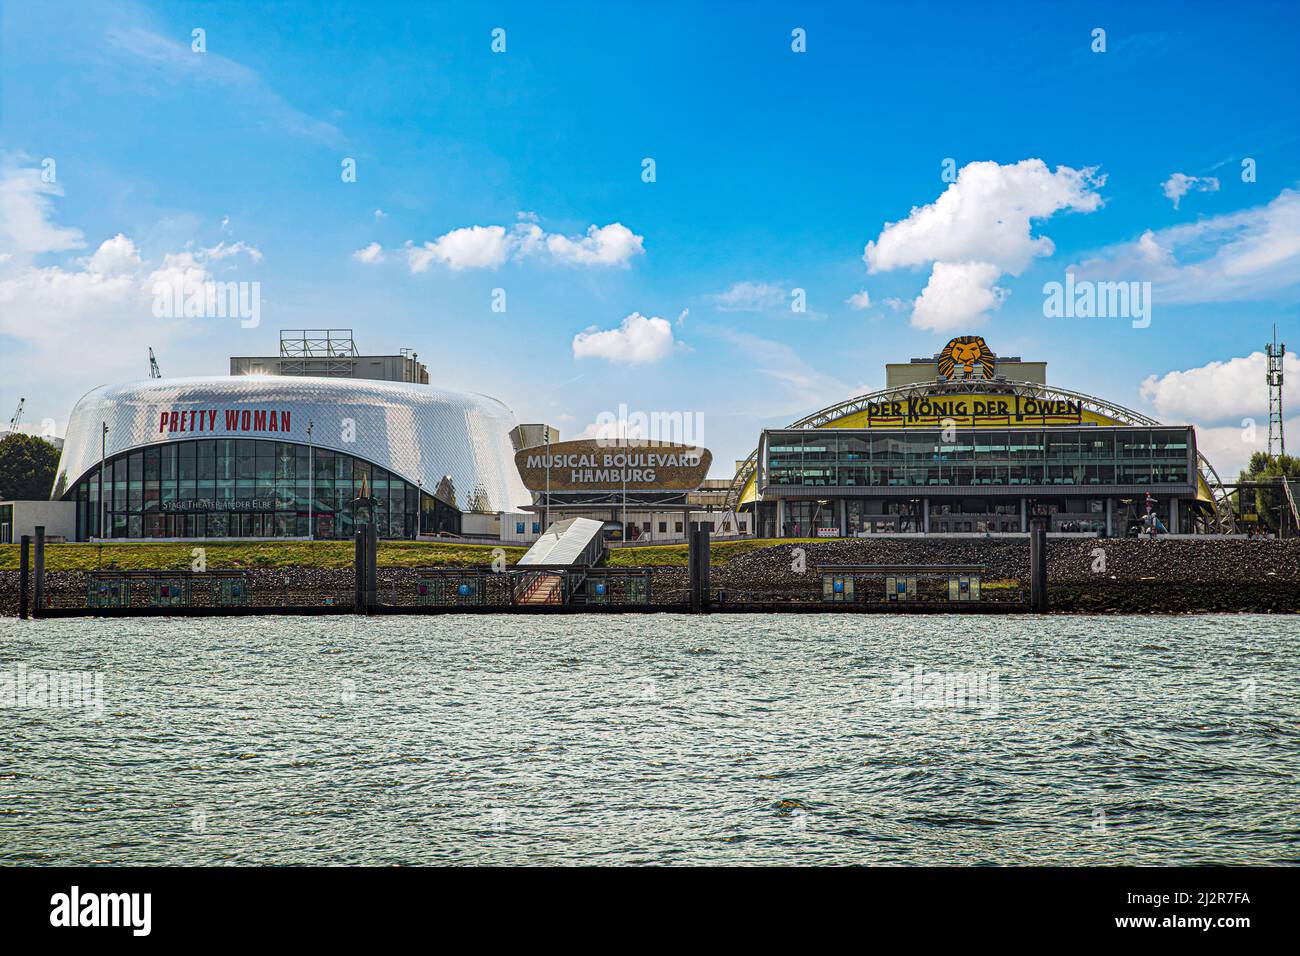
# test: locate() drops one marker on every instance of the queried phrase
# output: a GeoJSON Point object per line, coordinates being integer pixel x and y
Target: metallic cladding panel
{"type": "Point", "coordinates": [419, 432]}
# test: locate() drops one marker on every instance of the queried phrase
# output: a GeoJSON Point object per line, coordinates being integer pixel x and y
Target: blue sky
{"type": "Point", "coordinates": [774, 170]}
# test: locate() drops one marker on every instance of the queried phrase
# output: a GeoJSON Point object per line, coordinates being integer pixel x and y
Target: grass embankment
{"type": "Point", "coordinates": [674, 555]}
{"type": "Point", "coordinates": [143, 556]}
{"type": "Point", "coordinates": [146, 556]}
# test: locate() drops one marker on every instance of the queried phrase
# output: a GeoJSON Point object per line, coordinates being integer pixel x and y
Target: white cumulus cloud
{"type": "Point", "coordinates": [473, 247]}
{"type": "Point", "coordinates": [51, 312]}
{"type": "Point", "coordinates": [179, 270]}
{"type": "Point", "coordinates": [370, 254]}
{"type": "Point", "coordinates": [979, 229]}
{"type": "Point", "coordinates": [637, 339]}
{"type": "Point", "coordinates": [1252, 254]}
{"type": "Point", "coordinates": [1179, 185]}
{"type": "Point", "coordinates": [986, 216]}
{"type": "Point", "coordinates": [610, 245]}
{"type": "Point", "coordinates": [1229, 447]}
{"type": "Point", "coordinates": [1220, 391]}
{"type": "Point", "coordinates": [489, 247]}
{"type": "Point", "coordinates": [957, 296]}
{"type": "Point", "coordinates": [1227, 401]}
{"type": "Point", "coordinates": [114, 256]}
{"type": "Point", "coordinates": [859, 300]}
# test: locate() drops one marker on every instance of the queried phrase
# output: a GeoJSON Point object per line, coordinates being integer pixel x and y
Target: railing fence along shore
{"type": "Point", "coordinates": [366, 588]}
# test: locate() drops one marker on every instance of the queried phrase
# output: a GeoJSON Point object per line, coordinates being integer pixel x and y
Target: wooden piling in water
{"type": "Point", "coordinates": [38, 601]}
{"type": "Point", "coordinates": [697, 564]}
{"type": "Point", "coordinates": [359, 566]}
{"type": "Point", "coordinates": [1038, 566]}
{"type": "Point", "coordinates": [24, 569]}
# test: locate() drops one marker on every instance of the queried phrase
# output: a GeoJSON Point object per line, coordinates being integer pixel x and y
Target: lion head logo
{"type": "Point", "coordinates": [966, 351]}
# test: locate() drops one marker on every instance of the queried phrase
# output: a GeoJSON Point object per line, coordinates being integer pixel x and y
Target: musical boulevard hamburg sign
{"type": "Point", "coordinates": [592, 464]}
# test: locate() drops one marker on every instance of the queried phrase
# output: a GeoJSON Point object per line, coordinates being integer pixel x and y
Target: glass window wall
{"type": "Point", "coordinates": [248, 488]}
{"type": "Point", "coordinates": [1053, 456]}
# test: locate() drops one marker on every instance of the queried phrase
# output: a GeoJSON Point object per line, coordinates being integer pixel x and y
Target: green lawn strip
{"type": "Point", "coordinates": [674, 555]}
{"type": "Point", "coordinates": [145, 556]}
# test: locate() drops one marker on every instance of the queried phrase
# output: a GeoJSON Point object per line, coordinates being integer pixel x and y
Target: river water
{"type": "Point", "coordinates": [736, 739]}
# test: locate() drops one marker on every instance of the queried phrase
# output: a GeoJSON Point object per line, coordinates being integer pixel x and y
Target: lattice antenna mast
{"type": "Point", "coordinates": [1276, 434]}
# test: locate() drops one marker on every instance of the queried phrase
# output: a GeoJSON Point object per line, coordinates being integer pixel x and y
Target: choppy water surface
{"type": "Point", "coordinates": [658, 739]}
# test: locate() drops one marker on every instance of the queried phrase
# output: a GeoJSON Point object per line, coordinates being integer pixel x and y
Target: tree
{"type": "Point", "coordinates": [1264, 467]}
{"type": "Point", "coordinates": [27, 467]}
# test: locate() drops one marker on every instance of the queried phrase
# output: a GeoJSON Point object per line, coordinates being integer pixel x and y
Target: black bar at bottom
{"type": "Point", "coordinates": [1227, 906]}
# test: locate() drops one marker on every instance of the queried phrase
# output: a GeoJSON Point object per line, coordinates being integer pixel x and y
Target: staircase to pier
{"type": "Point", "coordinates": [542, 588]}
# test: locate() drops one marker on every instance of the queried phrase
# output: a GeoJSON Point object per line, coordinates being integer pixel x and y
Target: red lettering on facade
{"type": "Point", "coordinates": [236, 420]}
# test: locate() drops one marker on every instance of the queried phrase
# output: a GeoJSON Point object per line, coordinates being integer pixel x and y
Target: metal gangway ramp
{"type": "Point", "coordinates": [574, 543]}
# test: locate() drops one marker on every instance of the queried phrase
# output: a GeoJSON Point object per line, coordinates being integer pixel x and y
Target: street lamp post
{"type": "Point", "coordinates": [103, 449]}
{"type": "Point", "coordinates": [547, 519]}
{"type": "Point", "coordinates": [311, 483]}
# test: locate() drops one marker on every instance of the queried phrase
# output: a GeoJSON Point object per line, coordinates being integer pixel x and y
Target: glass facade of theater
{"type": "Point", "coordinates": [974, 480]}
{"type": "Point", "coordinates": [248, 488]}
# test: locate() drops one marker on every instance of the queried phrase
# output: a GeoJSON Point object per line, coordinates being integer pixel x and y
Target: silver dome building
{"type": "Point", "coordinates": [280, 456]}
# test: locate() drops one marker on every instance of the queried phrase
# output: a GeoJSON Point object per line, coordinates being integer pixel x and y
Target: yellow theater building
{"type": "Point", "coordinates": [969, 442]}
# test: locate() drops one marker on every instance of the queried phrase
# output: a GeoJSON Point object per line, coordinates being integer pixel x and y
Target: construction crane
{"type": "Point", "coordinates": [18, 415]}
{"type": "Point", "coordinates": [153, 365]}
